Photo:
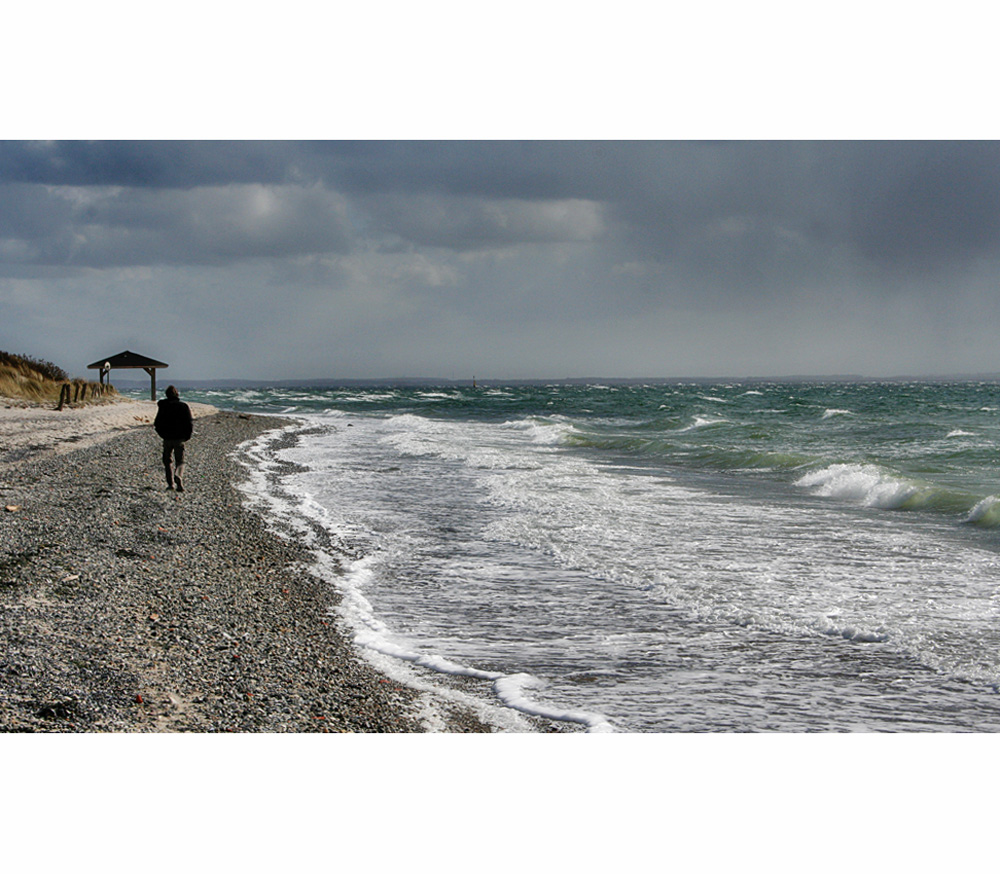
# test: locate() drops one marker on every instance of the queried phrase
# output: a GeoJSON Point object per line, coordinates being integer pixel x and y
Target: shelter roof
{"type": "Point", "coordinates": [127, 359]}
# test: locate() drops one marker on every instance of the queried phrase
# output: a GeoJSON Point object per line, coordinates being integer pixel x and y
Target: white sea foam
{"type": "Point", "coordinates": [291, 509]}
{"type": "Point", "coordinates": [260, 466]}
{"type": "Point", "coordinates": [511, 690]}
{"type": "Point", "coordinates": [375, 637]}
{"type": "Point", "coordinates": [986, 512]}
{"type": "Point", "coordinates": [549, 432]}
{"type": "Point", "coordinates": [702, 422]}
{"type": "Point", "coordinates": [865, 484]}
{"type": "Point", "coordinates": [831, 627]}
{"type": "Point", "coordinates": [829, 414]}
{"type": "Point", "coordinates": [369, 397]}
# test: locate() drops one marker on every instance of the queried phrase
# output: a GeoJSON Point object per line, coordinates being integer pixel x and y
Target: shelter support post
{"type": "Point", "coordinates": [152, 382]}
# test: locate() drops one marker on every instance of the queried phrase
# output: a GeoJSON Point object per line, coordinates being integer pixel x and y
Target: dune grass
{"type": "Point", "coordinates": [40, 382]}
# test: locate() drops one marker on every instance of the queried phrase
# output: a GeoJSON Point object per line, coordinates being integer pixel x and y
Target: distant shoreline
{"type": "Point", "coordinates": [481, 382]}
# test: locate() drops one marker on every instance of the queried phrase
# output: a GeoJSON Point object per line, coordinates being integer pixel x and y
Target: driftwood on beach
{"type": "Point", "coordinates": [79, 388]}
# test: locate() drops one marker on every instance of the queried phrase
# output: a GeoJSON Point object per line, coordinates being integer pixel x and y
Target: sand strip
{"type": "Point", "coordinates": [26, 430]}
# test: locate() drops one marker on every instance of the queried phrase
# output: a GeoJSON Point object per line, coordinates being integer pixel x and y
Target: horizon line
{"type": "Point", "coordinates": [579, 380]}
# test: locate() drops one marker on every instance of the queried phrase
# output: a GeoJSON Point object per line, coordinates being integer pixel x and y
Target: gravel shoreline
{"type": "Point", "coordinates": [125, 607]}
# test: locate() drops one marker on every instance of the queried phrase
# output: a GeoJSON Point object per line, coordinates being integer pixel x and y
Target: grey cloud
{"type": "Point", "coordinates": [489, 169]}
{"type": "Point", "coordinates": [889, 202]}
{"type": "Point", "coordinates": [143, 164]}
{"type": "Point", "coordinates": [942, 204]}
{"type": "Point", "coordinates": [28, 212]}
{"type": "Point", "coordinates": [493, 169]}
{"type": "Point", "coordinates": [467, 223]}
{"type": "Point", "coordinates": [111, 226]}
{"type": "Point", "coordinates": [766, 215]}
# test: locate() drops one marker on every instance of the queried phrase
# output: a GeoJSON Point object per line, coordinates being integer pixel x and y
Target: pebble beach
{"type": "Point", "coordinates": [127, 607]}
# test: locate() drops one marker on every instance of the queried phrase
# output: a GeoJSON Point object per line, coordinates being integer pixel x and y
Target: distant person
{"type": "Point", "coordinates": [174, 425]}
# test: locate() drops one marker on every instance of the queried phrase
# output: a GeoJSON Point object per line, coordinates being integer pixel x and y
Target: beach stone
{"type": "Point", "coordinates": [65, 709]}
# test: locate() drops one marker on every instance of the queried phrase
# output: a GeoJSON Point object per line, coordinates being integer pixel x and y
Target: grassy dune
{"type": "Point", "coordinates": [41, 382]}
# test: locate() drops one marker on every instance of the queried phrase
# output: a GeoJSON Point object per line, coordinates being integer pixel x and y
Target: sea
{"type": "Point", "coordinates": [704, 556]}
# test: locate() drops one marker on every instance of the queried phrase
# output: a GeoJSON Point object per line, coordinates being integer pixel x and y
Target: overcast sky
{"type": "Point", "coordinates": [514, 259]}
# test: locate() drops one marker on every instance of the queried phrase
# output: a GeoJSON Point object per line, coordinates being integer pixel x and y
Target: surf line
{"type": "Point", "coordinates": [373, 634]}
{"type": "Point", "coordinates": [294, 515]}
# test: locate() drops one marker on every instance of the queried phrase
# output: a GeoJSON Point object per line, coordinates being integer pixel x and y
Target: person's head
{"type": "Point", "coordinates": [172, 393]}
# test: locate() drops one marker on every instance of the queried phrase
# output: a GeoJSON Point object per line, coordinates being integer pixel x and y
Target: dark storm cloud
{"type": "Point", "coordinates": [928, 203]}
{"type": "Point", "coordinates": [752, 214]}
{"type": "Point", "coordinates": [740, 205]}
{"type": "Point", "coordinates": [142, 164]}
{"type": "Point", "coordinates": [489, 169]}
{"type": "Point", "coordinates": [906, 205]}
{"type": "Point", "coordinates": [98, 226]}
{"type": "Point", "coordinates": [128, 203]}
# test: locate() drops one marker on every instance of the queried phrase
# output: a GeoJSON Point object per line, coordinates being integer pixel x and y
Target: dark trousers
{"type": "Point", "coordinates": [175, 448]}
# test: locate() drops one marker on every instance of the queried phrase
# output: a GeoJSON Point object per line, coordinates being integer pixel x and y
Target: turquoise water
{"type": "Point", "coordinates": [698, 557]}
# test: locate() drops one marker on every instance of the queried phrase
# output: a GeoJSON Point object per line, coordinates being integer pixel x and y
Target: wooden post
{"type": "Point", "coordinates": [152, 382]}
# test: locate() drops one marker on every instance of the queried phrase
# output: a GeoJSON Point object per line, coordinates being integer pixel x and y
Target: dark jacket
{"type": "Point", "coordinates": [173, 420]}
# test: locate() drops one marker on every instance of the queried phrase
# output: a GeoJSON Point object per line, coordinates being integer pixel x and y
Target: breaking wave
{"type": "Point", "coordinates": [872, 486]}
{"type": "Point", "coordinates": [865, 484]}
{"type": "Point", "coordinates": [986, 513]}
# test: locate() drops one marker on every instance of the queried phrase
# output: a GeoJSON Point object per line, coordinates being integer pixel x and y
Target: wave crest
{"type": "Point", "coordinates": [866, 484]}
{"type": "Point", "coordinates": [986, 513]}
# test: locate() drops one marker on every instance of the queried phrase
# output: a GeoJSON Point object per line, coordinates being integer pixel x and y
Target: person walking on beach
{"type": "Point", "coordinates": [174, 425]}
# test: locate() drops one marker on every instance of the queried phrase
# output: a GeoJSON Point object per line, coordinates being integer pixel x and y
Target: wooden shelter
{"type": "Point", "coordinates": [129, 360]}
